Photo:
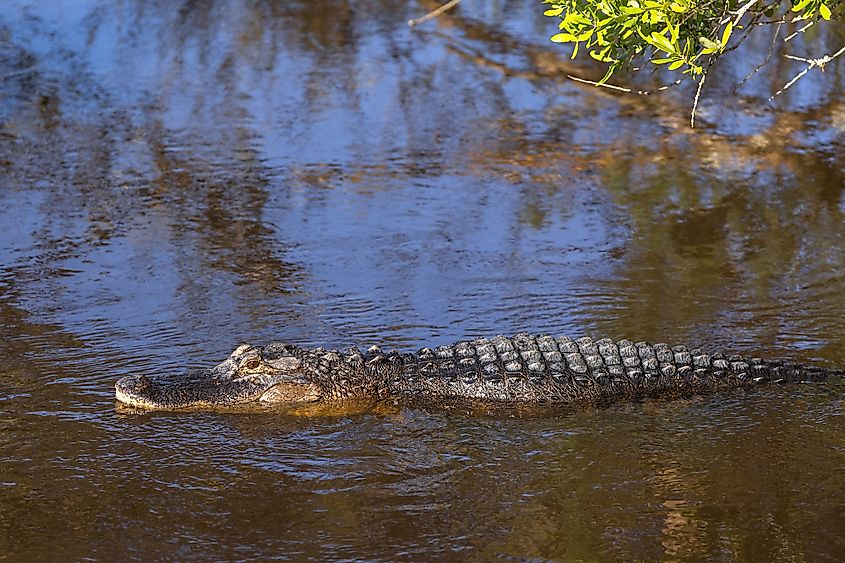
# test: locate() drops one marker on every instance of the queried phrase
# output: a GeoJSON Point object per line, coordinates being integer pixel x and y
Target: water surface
{"type": "Point", "coordinates": [178, 178]}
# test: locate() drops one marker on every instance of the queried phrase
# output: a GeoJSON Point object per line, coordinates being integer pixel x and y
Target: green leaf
{"type": "Point", "coordinates": [678, 8]}
{"type": "Point", "coordinates": [611, 69]}
{"type": "Point", "coordinates": [673, 32]}
{"type": "Point", "coordinates": [585, 36]}
{"type": "Point", "coordinates": [562, 38]}
{"type": "Point", "coordinates": [726, 35]}
{"type": "Point", "coordinates": [661, 42]}
{"type": "Point", "coordinates": [576, 18]}
{"type": "Point", "coordinates": [801, 5]}
{"type": "Point", "coordinates": [709, 43]}
{"type": "Point", "coordinates": [553, 12]}
{"type": "Point", "coordinates": [602, 56]}
{"type": "Point", "coordinates": [661, 61]}
{"type": "Point", "coordinates": [676, 65]}
{"type": "Point", "coordinates": [824, 11]}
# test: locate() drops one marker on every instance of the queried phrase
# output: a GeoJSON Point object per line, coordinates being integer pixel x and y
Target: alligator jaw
{"type": "Point", "coordinates": [164, 393]}
{"type": "Point", "coordinates": [291, 392]}
{"type": "Point", "coordinates": [249, 376]}
{"type": "Point", "coordinates": [132, 390]}
{"type": "Point", "coordinates": [128, 390]}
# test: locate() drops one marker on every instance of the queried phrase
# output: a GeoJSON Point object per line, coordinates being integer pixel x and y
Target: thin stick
{"type": "Point", "coordinates": [434, 13]}
{"type": "Point", "coordinates": [740, 12]}
{"type": "Point", "coordinates": [802, 30]}
{"type": "Point", "coordinates": [695, 102]}
{"type": "Point", "coordinates": [820, 62]}
{"type": "Point", "coordinates": [623, 89]}
{"type": "Point", "coordinates": [764, 63]}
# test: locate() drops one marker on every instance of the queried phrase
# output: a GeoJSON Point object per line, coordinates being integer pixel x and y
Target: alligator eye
{"type": "Point", "coordinates": [252, 363]}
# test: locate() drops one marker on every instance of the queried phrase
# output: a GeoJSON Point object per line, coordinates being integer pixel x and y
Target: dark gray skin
{"type": "Point", "coordinates": [525, 370]}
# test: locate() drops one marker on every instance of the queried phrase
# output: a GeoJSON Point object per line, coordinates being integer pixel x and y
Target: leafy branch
{"type": "Point", "coordinates": [686, 36]}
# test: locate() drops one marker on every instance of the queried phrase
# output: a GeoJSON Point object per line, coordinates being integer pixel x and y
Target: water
{"type": "Point", "coordinates": [181, 177]}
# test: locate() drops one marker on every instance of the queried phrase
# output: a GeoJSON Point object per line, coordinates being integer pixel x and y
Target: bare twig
{"type": "Point", "coordinates": [697, 97]}
{"type": "Point", "coordinates": [801, 30]}
{"type": "Point", "coordinates": [765, 62]}
{"type": "Point", "coordinates": [811, 63]}
{"type": "Point", "coordinates": [434, 13]}
{"type": "Point", "coordinates": [741, 12]}
{"type": "Point", "coordinates": [770, 22]}
{"type": "Point", "coordinates": [622, 88]}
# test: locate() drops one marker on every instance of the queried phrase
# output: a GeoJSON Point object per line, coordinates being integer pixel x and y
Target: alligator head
{"type": "Point", "coordinates": [273, 374]}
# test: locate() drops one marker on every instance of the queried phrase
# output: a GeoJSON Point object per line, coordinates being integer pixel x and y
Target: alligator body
{"type": "Point", "coordinates": [524, 369]}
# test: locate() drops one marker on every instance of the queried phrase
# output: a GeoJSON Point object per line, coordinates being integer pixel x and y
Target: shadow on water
{"type": "Point", "coordinates": [181, 177]}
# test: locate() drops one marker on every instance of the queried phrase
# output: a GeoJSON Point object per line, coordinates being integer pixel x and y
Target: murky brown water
{"type": "Point", "coordinates": [181, 177]}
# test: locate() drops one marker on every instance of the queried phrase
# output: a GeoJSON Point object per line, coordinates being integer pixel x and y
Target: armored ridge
{"type": "Point", "coordinates": [525, 369]}
{"type": "Point", "coordinates": [548, 370]}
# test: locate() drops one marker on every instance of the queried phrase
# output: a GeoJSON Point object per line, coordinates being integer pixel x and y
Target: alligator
{"type": "Point", "coordinates": [541, 371]}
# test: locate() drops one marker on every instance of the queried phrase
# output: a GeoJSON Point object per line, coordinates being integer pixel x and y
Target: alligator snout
{"type": "Point", "coordinates": [135, 383]}
{"type": "Point", "coordinates": [131, 388]}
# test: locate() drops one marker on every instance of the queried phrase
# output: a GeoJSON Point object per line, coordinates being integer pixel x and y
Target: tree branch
{"type": "Point", "coordinates": [695, 101]}
{"type": "Point", "coordinates": [434, 13]}
{"type": "Point", "coordinates": [765, 62]}
{"type": "Point", "coordinates": [819, 62]}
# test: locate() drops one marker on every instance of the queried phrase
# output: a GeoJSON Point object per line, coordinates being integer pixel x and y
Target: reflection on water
{"type": "Point", "coordinates": [181, 177]}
